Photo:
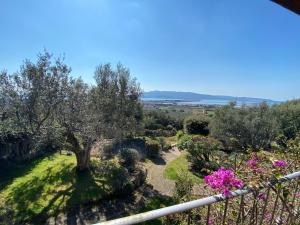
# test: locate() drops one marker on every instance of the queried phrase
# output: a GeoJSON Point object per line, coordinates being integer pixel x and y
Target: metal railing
{"type": "Point", "coordinates": [276, 203]}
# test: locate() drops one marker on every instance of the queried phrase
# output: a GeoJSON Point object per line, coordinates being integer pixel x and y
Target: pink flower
{"type": "Point", "coordinates": [252, 162]}
{"type": "Point", "coordinates": [280, 163]}
{"type": "Point", "coordinates": [223, 180]}
{"type": "Point", "coordinates": [210, 221]}
{"type": "Point", "coordinates": [262, 196]}
{"type": "Point", "coordinates": [298, 194]}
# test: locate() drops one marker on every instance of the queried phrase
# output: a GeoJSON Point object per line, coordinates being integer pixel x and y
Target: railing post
{"type": "Point", "coordinates": [225, 211]}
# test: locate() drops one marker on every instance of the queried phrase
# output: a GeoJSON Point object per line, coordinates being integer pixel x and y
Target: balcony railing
{"type": "Point", "coordinates": [277, 203]}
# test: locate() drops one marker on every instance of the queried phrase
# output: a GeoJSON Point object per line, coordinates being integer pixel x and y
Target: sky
{"type": "Point", "coordinates": [223, 47]}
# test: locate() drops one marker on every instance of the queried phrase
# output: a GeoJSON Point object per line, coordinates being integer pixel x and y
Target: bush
{"type": "Point", "coordinates": [183, 140]}
{"type": "Point", "coordinates": [196, 125]}
{"type": "Point", "coordinates": [129, 158]}
{"type": "Point", "coordinates": [201, 151]}
{"type": "Point", "coordinates": [153, 148]}
{"type": "Point", "coordinates": [179, 134]}
{"type": "Point", "coordinates": [183, 187]}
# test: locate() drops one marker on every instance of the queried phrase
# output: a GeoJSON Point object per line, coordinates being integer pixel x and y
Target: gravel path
{"type": "Point", "coordinates": [155, 175]}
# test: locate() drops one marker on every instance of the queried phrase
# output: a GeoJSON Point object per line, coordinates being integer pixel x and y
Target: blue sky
{"type": "Point", "coordinates": [228, 47]}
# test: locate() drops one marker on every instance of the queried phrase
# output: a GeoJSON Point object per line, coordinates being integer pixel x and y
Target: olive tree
{"type": "Point", "coordinates": [30, 97]}
{"type": "Point", "coordinates": [240, 128]}
{"type": "Point", "coordinates": [110, 109]}
{"type": "Point", "coordinates": [117, 96]}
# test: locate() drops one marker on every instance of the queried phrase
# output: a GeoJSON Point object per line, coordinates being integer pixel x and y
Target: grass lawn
{"type": "Point", "coordinates": [48, 185]}
{"type": "Point", "coordinates": [180, 164]}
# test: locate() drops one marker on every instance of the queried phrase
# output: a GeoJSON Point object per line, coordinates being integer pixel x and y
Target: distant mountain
{"type": "Point", "coordinates": [195, 97]}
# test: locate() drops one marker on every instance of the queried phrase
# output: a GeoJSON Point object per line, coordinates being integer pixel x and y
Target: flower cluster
{"type": "Point", "coordinates": [280, 163]}
{"type": "Point", "coordinates": [223, 180]}
{"type": "Point", "coordinates": [252, 163]}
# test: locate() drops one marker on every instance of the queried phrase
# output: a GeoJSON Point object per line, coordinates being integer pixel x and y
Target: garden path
{"type": "Point", "coordinates": [155, 175]}
{"type": "Point", "coordinates": [155, 172]}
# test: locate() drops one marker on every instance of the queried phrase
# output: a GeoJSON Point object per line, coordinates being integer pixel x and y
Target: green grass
{"type": "Point", "coordinates": [46, 186]}
{"type": "Point", "coordinates": [180, 164]}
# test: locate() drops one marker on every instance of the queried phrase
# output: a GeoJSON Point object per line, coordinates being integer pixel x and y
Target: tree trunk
{"type": "Point", "coordinates": [82, 152]}
{"type": "Point", "coordinates": [83, 160]}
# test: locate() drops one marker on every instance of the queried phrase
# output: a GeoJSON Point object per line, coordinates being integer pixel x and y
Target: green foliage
{"type": "Point", "coordinates": [129, 158]}
{"type": "Point", "coordinates": [201, 151]}
{"type": "Point", "coordinates": [196, 125]}
{"type": "Point", "coordinates": [183, 141]}
{"type": "Point", "coordinates": [29, 100]}
{"type": "Point", "coordinates": [52, 110]}
{"type": "Point", "coordinates": [116, 98]}
{"type": "Point", "coordinates": [153, 148]}
{"type": "Point", "coordinates": [288, 116]}
{"type": "Point", "coordinates": [293, 148]}
{"type": "Point", "coordinates": [183, 187]}
{"type": "Point", "coordinates": [157, 123]}
{"type": "Point", "coordinates": [179, 134]}
{"type": "Point", "coordinates": [245, 127]}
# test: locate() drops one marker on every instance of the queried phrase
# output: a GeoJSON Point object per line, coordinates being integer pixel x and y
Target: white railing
{"type": "Point", "coordinates": [287, 211]}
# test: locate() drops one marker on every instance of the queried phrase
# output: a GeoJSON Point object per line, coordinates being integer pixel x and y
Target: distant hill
{"type": "Point", "coordinates": [195, 97]}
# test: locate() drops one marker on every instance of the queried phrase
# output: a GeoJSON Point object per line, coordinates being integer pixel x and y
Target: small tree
{"type": "Point", "coordinates": [196, 125]}
{"type": "Point", "coordinates": [152, 148]}
{"type": "Point", "coordinates": [201, 151]}
{"type": "Point", "coordinates": [129, 158]}
{"type": "Point", "coordinates": [183, 187]}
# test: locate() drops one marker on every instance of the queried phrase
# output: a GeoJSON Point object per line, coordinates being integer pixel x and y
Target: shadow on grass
{"type": "Point", "coordinates": [47, 194]}
{"type": "Point", "coordinates": [10, 172]}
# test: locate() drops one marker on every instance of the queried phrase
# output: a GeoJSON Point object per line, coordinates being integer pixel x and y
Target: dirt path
{"type": "Point", "coordinates": [155, 169]}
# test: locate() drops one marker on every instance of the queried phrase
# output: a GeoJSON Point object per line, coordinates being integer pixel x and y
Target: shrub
{"type": "Point", "coordinates": [196, 125]}
{"type": "Point", "coordinates": [183, 140]}
{"type": "Point", "coordinates": [201, 151]}
{"type": "Point", "coordinates": [153, 148]}
{"type": "Point", "coordinates": [183, 187]}
{"type": "Point", "coordinates": [129, 158]}
{"type": "Point", "coordinates": [179, 134]}
{"type": "Point", "coordinates": [293, 147]}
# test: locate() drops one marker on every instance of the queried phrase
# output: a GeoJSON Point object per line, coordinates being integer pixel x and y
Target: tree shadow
{"type": "Point", "coordinates": [113, 207]}
{"type": "Point", "coordinates": [159, 160]}
{"type": "Point", "coordinates": [83, 190]}
{"type": "Point", "coordinates": [9, 172]}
